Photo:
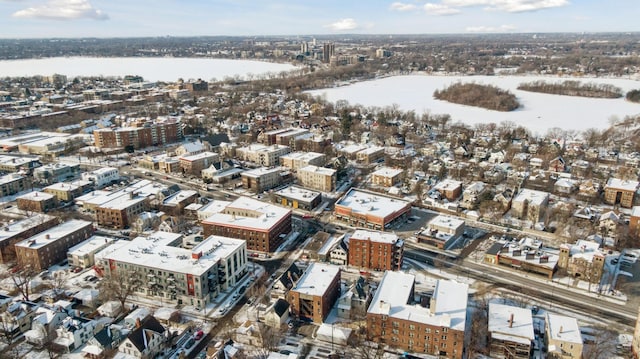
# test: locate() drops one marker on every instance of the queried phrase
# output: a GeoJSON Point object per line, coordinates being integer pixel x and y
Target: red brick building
{"type": "Point", "coordinates": [139, 134]}
{"type": "Point", "coordinates": [375, 250]}
{"type": "Point", "coordinates": [315, 293]}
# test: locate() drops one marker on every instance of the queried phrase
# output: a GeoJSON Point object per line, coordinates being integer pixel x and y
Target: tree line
{"type": "Point", "coordinates": [572, 88]}
{"type": "Point", "coordinates": [633, 96]}
{"type": "Point", "coordinates": [485, 96]}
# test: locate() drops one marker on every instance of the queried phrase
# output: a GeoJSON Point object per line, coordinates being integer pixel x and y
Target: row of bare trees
{"type": "Point", "coordinates": [572, 88]}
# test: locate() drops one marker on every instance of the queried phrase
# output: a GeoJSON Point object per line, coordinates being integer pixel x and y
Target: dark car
{"type": "Point", "coordinates": [190, 343]}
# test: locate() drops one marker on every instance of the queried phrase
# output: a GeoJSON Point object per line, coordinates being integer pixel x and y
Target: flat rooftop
{"type": "Point", "coordinates": [298, 193]}
{"type": "Point", "coordinates": [36, 196]}
{"type": "Point", "coordinates": [367, 203]}
{"type": "Point", "coordinates": [564, 328]}
{"type": "Point", "coordinates": [180, 196]}
{"type": "Point", "coordinates": [446, 221]}
{"type": "Point", "coordinates": [319, 170]}
{"type": "Point", "coordinates": [90, 245]}
{"type": "Point", "coordinates": [375, 236]}
{"type": "Point", "coordinates": [532, 196]}
{"type": "Point", "coordinates": [53, 234]}
{"type": "Point", "coordinates": [316, 279]}
{"type": "Point", "coordinates": [500, 326]}
{"type": "Point", "coordinates": [388, 172]}
{"type": "Point", "coordinates": [249, 213]}
{"type": "Point", "coordinates": [13, 229]}
{"type": "Point", "coordinates": [199, 156]}
{"type": "Point", "coordinates": [122, 201]}
{"type": "Point", "coordinates": [62, 186]}
{"type": "Point", "coordinates": [302, 156]}
{"type": "Point", "coordinates": [11, 177]}
{"type": "Point", "coordinates": [261, 171]}
{"type": "Point", "coordinates": [623, 185]}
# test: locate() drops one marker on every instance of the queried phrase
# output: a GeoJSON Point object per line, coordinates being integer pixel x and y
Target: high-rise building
{"type": "Point", "coordinates": [328, 50]}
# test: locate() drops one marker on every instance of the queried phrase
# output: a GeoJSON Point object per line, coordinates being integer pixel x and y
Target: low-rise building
{"type": "Point", "coordinates": [174, 205]}
{"type": "Point", "coordinates": [194, 163]}
{"type": "Point", "coordinates": [120, 211]}
{"type": "Point", "coordinates": [50, 247]}
{"type": "Point", "coordinates": [298, 197]}
{"type": "Point", "coordinates": [370, 210]}
{"type": "Point", "coordinates": [584, 259]}
{"type": "Point", "coordinates": [64, 192]}
{"type": "Point", "coordinates": [37, 201]}
{"type": "Point", "coordinates": [562, 336]}
{"type": "Point", "coordinates": [473, 194]}
{"type": "Point", "coordinates": [510, 331]}
{"type": "Point", "coordinates": [264, 226]}
{"type": "Point", "coordinates": [315, 293]}
{"type": "Point", "coordinates": [262, 155]}
{"type": "Point", "coordinates": [442, 231]}
{"type": "Point", "coordinates": [621, 192]}
{"type": "Point", "coordinates": [527, 255]}
{"type": "Point", "coordinates": [12, 233]}
{"type": "Point", "coordinates": [12, 183]}
{"type": "Point", "coordinates": [449, 189]}
{"type": "Point", "coordinates": [375, 250]}
{"type": "Point", "coordinates": [395, 318]}
{"type": "Point", "coordinates": [370, 155]}
{"type": "Point", "coordinates": [387, 176]}
{"type": "Point", "coordinates": [102, 177]}
{"type": "Point", "coordinates": [262, 179]}
{"type": "Point", "coordinates": [297, 160]}
{"type": "Point", "coordinates": [318, 178]}
{"type": "Point", "coordinates": [56, 172]}
{"type": "Point", "coordinates": [146, 340]}
{"type": "Point", "coordinates": [83, 254]}
{"type": "Point", "coordinates": [530, 204]}
{"type": "Point", "coordinates": [74, 332]}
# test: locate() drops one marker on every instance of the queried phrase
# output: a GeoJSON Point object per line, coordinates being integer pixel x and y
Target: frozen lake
{"type": "Point", "coordinates": [150, 68]}
{"type": "Point", "coordinates": [540, 111]}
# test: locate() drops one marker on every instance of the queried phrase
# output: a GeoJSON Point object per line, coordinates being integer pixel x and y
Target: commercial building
{"type": "Point", "coordinates": [530, 204]}
{"type": "Point", "coordinates": [621, 192]}
{"type": "Point", "coordinates": [527, 255]}
{"type": "Point", "coordinates": [194, 164]}
{"type": "Point", "coordinates": [37, 201]}
{"type": "Point", "coordinates": [395, 318]}
{"type": "Point", "coordinates": [298, 197]}
{"type": "Point", "coordinates": [263, 178]}
{"type": "Point", "coordinates": [50, 247]}
{"type": "Point", "coordinates": [262, 155]}
{"type": "Point", "coordinates": [186, 276]}
{"type": "Point", "coordinates": [370, 210]}
{"type": "Point", "coordinates": [64, 192]}
{"type": "Point", "coordinates": [297, 160]}
{"type": "Point", "coordinates": [83, 254]}
{"type": "Point", "coordinates": [102, 177]}
{"type": "Point", "coordinates": [442, 231]}
{"type": "Point", "coordinates": [12, 233]}
{"type": "Point", "coordinates": [375, 250]}
{"type": "Point", "coordinates": [563, 338]}
{"type": "Point", "coordinates": [510, 331]}
{"type": "Point", "coordinates": [12, 184]}
{"type": "Point", "coordinates": [264, 226]}
{"type": "Point", "coordinates": [56, 172]}
{"type": "Point", "coordinates": [315, 293]}
{"type": "Point", "coordinates": [584, 259]}
{"type": "Point", "coordinates": [387, 176]}
{"type": "Point", "coordinates": [120, 211]}
{"type": "Point", "coordinates": [318, 178]}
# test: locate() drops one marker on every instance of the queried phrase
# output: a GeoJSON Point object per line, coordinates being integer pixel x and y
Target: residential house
{"type": "Point", "coordinates": [146, 340]}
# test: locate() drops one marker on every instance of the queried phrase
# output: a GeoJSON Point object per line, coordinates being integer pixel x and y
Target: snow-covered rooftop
{"type": "Point", "coordinates": [199, 156]}
{"type": "Point", "coordinates": [366, 203]}
{"type": "Point", "coordinates": [90, 245]}
{"type": "Point", "coordinates": [564, 328]}
{"type": "Point", "coordinates": [322, 170]}
{"type": "Point", "coordinates": [584, 249]}
{"type": "Point", "coordinates": [316, 279]}
{"type": "Point", "coordinates": [623, 185]}
{"type": "Point", "coordinates": [446, 222]}
{"type": "Point", "coordinates": [388, 172]}
{"type": "Point", "coordinates": [249, 213]}
{"type": "Point", "coordinates": [298, 193]}
{"type": "Point", "coordinates": [375, 236]}
{"type": "Point", "coordinates": [36, 196]}
{"type": "Point", "coordinates": [302, 156]}
{"type": "Point", "coordinates": [532, 196]}
{"type": "Point", "coordinates": [510, 323]}
{"type": "Point", "coordinates": [62, 186]}
{"type": "Point", "coordinates": [12, 229]}
{"type": "Point", "coordinates": [53, 234]}
{"type": "Point", "coordinates": [179, 196]}
{"type": "Point", "coordinates": [261, 171]}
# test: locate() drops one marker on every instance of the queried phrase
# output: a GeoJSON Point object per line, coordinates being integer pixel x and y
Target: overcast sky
{"type": "Point", "coordinates": [128, 18]}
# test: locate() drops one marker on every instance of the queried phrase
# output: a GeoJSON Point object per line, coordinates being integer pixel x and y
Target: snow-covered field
{"type": "Point", "coordinates": [150, 68]}
{"type": "Point", "coordinates": [540, 111]}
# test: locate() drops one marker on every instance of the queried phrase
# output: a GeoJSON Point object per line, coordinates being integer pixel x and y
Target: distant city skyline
{"type": "Point", "coordinates": [142, 18]}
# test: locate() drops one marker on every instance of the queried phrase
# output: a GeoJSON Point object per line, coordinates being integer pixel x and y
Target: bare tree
{"type": "Point", "coordinates": [21, 278]}
{"type": "Point", "coordinates": [601, 345]}
{"type": "Point", "coordinates": [269, 340]}
{"type": "Point", "coordinates": [58, 282]}
{"type": "Point", "coordinates": [361, 348]}
{"type": "Point", "coordinates": [120, 284]}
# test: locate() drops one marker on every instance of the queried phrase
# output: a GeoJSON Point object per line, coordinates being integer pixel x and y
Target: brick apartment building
{"type": "Point", "coordinates": [15, 232]}
{"type": "Point", "coordinates": [50, 247]}
{"type": "Point", "coordinates": [139, 134]}
{"type": "Point", "coordinates": [315, 293]}
{"type": "Point", "coordinates": [264, 226]}
{"type": "Point", "coordinates": [318, 178]}
{"type": "Point", "coordinates": [621, 192]}
{"type": "Point", "coordinates": [37, 202]}
{"type": "Point", "coordinates": [195, 163]}
{"type": "Point", "coordinates": [375, 250]}
{"type": "Point", "coordinates": [119, 213]}
{"type": "Point", "coordinates": [387, 176]}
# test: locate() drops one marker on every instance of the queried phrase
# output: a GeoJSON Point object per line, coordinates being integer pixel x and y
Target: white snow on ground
{"type": "Point", "coordinates": [540, 111]}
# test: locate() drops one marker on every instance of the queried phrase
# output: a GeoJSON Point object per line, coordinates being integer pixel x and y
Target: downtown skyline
{"type": "Point", "coordinates": [119, 18]}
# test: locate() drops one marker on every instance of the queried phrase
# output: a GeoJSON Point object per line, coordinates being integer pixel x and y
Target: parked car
{"type": "Point", "coordinates": [190, 343]}
{"type": "Point", "coordinates": [199, 334]}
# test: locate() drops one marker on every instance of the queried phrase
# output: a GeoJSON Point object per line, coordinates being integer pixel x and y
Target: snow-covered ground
{"type": "Point", "coordinates": [150, 68]}
{"type": "Point", "coordinates": [539, 112]}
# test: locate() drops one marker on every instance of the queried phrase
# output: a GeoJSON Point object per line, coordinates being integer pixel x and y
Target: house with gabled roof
{"type": "Point", "coordinates": [145, 340]}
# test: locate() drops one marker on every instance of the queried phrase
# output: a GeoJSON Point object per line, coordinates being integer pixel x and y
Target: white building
{"type": "Point", "coordinates": [82, 254]}
{"type": "Point", "coordinates": [102, 176]}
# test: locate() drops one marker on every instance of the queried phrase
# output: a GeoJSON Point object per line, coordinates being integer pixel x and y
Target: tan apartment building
{"type": "Point", "coordinates": [370, 155]}
{"type": "Point", "coordinates": [318, 178]}
{"type": "Point", "coordinates": [50, 247]}
{"type": "Point", "coordinates": [621, 192]}
{"type": "Point", "coordinates": [370, 210]}
{"type": "Point", "coordinates": [387, 176]}
{"type": "Point", "coordinates": [12, 184]}
{"type": "Point", "coordinates": [297, 160]}
{"type": "Point", "coordinates": [261, 179]}
{"type": "Point", "coordinates": [120, 212]}
{"type": "Point", "coordinates": [530, 205]}
{"type": "Point", "coordinates": [563, 337]}
{"type": "Point", "coordinates": [64, 192]}
{"type": "Point", "coordinates": [194, 164]}
{"type": "Point", "coordinates": [12, 233]}
{"type": "Point", "coordinates": [395, 317]}
{"type": "Point", "coordinates": [262, 155]}
{"type": "Point", "coordinates": [37, 201]}
{"type": "Point", "coordinates": [315, 293]}
{"type": "Point", "coordinates": [375, 250]}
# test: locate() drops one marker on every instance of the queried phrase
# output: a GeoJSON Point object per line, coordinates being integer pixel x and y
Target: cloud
{"type": "Point", "coordinates": [343, 25]}
{"type": "Point", "coordinates": [508, 5]}
{"type": "Point", "coordinates": [482, 29]}
{"type": "Point", "coordinates": [62, 10]}
{"type": "Point", "coordinates": [399, 6]}
{"type": "Point", "coordinates": [439, 9]}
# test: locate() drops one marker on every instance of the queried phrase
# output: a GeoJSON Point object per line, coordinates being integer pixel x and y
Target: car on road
{"type": "Point", "coordinates": [199, 334]}
{"type": "Point", "coordinates": [77, 269]}
{"type": "Point", "coordinates": [190, 343]}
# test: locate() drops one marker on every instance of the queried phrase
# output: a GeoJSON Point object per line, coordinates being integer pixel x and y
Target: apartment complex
{"type": "Point", "coordinates": [395, 319]}
{"type": "Point", "coordinates": [64, 192]}
{"type": "Point", "coordinates": [563, 338]}
{"type": "Point", "coordinates": [262, 155]}
{"type": "Point", "coordinates": [449, 189]}
{"type": "Point", "coordinates": [370, 210]}
{"type": "Point", "coordinates": [188, 276]}
{"type": "Point", "coordinates": [262, 179]}
{"type": "Point", "coordinates": [375, 250]}
{"type": "Point", "coordinates": [315, 293]}
{"type": "Point", "coordinates": [12, 184]}
{"type": "Point", "coordinates": [510, 331]}
{"type": "Point", "coordinates": [264, 226]}
{"type": "Point", "coordinates": [37, 201]}
{"type": "Point", "coordinates": [50, 247]}
{"type": "Point", "coordinates": [318, 178]}
{"type": "Point", "coordinates": [282, 136]}
{"type": "Point", "coordinates": [56, 172]}
{"type": "Point", "coordinates": [620, 192]}
{"type": "Point", "coordinates": [194, 163]}
{"type": "Point", "coordinates": [530, 204]}
{"type": "Point", "coordinates": [12, 233]}
{"type": "Point", "coordinates": [102, 177]}
{"type": "Point", "coordinates": [120, 211]}
{"type": "Point", "coordinates": [387, 176]}
{"type": "Point", "coordinates": [297, 160]}
{"type": "Point", "coordinates": [139, 134]}
{"type": "Point", "coordinates": [83, 254]}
